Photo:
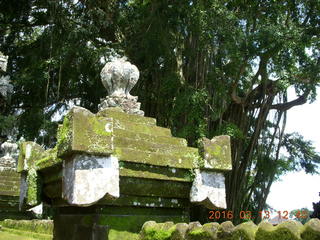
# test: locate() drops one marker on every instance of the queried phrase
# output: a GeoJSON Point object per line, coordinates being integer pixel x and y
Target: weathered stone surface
{"type": "Point", "coordinates": [208, 189]}
{"type": "Point", "coordinates": [6, 88]}
{"type": "Point", "coordinates": [216, 153]}
{"type": "Point", "coordinates": [48, 160]}
{"type": "Point", "coordinates": [212, 229]}
{"type": "Point", "coordinates": [88, 178]}
{"type": "Point", "coordinates": [3, 62]}
{"type": "Point", "coordinates": [137, 170]}
{"type": "Point", "coordinates": [119, 77]}
{"type": "Point", "coordinates": [118, 113]}
{"type": "Point", "coordinates": [30, 152]}
{"type": "Point", "coordinates": [152, 230]}
{"type": "Point", "coordinates": [225, 230]}
{"type": "Point", "coordinates": [154, 188]}
{"type": "Point", "coordinates": [158, 159]}
{"type": "Point", "coordinates": [125, 133]}
{"type": "Point", "coordinates": [147, 146]}
{"type": "Point", "coordinates": [311, 230]}
{"type": "Point", "coordinates": [245, 231]}
{"type": "Point", "coordinates": [83, 132]}
{"type": "Point", "coordinates": [179, 232]}
{"type": "Point", "coordinates": [143, 201]}
{"type": "Point", "coordinates": [289, 230]}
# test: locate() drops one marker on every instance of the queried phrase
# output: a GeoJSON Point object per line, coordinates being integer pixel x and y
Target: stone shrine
{"type": "Point", "coordinates": [114, 170]}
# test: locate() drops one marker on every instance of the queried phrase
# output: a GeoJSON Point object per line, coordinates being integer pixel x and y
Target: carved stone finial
{"type": "Point", "coordinates": [11, 152]}
{"type": "Point", "coordinates": [119, 77]}
{"type": "Point", "coordinates": [3, 62]}
{"type": "Point", "coordinates": [5, 87]}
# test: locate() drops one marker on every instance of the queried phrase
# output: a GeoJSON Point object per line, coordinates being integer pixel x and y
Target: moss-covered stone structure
{"type": "Point", "coordinates": [289, 230]}
{"type": "Point", "coordinates": [10, 183]}
{"type": "Point", "coordinates": [112, 171]}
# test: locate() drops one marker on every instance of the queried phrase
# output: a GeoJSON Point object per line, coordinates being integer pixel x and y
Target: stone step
{"type": "Point", "coordinates": [137, 170]}
{"type": "Point", "coordinates": [9, 182]}
{"type": "Point", "coordinates": [9, 193]}
{"type": "Point", "coordinates": [150, 138]}
{"type": "Point", "coordinates": [142, 201]}
{"type": "Point", "coordinates": [158, 159]}
{"type": "Point", "coordinates": [7, 173]}
{"type": "Point", "coordinates": [116, 113]}
{"type": "Point", "coordinates": [141, 128]}
{"type": "Point", "coordinates": [154, 188]}
{"type": "Point", "coordinates": [148, 146]}
{"type": "Point", "coordinates": [9, 188]}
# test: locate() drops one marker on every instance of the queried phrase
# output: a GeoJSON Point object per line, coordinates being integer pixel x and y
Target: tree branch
{"type": "Point", "coordinates": [286, 106]}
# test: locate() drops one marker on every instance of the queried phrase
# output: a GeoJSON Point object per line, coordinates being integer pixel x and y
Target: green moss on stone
{"type": "Point", "coordinates": [150, 187]}
{"type": "Point", "coordinates": [311, 230]}
{"type": "Point", "coordinates": [154, 231]}
{"type": "Point", "coordinates": [216, 153]}
{"type": "Point", "coordinates": [289, 230]}
{"type": "Point", "coordinates": [49, 160]}
{"type": "Point", "coordinates": [34, 184]}
{"type": "Point", "coordinates": [123, 235]}
{"type": "Point", "coordinates": [30, 153]}
{"type": "Point", "coordinates": [64, 136]}
{"type": "Point", "coordinates": [117, 113]}
{"type": "Point", "coordinates": [198, 234]}
{"type": "Point", "coordinates": [122, 133]}
{"type": "Point", "coordinates": [153, 172]}
{"type": "Point", "coordinates": [142, 201]}
{"type": "Point", "coordinates": [245, 231]}
{"type": "Point", "coordinates": [158, 159]}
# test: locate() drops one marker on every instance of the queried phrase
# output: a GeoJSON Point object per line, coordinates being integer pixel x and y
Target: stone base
{"type": "Point", "coordinates": [129, 104]}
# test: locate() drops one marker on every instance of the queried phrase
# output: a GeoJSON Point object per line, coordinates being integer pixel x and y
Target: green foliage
{"type": "Point", "coordinates": [302, 152]}
{"type": "Point", "coordinates": [302, 215]}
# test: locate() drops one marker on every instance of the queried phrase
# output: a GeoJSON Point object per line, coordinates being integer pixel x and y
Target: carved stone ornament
{"type": "Point", "coordinates": [3, 62]}
{"type": "Point", "coordinates": [5, 87]}
{"type": "Point", "coordinates": [119, 77]}
{"type": "Point", "coordinates": [11, 152]}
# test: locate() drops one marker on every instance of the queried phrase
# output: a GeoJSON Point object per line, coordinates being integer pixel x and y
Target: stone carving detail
{"type": "Point", "coordinates": [119, 77]}
{"type": "Point", "coordinates": [88, 178]}
{"type": "Point", "coordinates": [5, 87]}
{"type": "Point", "coordinates": [3, 62]}
{"type": "Point", "coordinates": [11, 152]}
{"type": "Point", "coordinates": [208, 189]}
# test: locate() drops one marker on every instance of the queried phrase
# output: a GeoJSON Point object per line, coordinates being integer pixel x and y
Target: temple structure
{"type": "Point", "coordinates": [113, 170]}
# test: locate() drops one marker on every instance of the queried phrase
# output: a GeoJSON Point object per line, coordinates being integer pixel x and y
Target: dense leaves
{"type": "Point", "coordinates": [207, 68]}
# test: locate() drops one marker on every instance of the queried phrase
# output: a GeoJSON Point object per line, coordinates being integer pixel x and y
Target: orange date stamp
{"type": "Point", "coordinates": [229, 215]}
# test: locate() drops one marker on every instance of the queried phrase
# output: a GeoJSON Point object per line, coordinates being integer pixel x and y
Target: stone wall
{"type": "Point", "coordinates": [289, 230]}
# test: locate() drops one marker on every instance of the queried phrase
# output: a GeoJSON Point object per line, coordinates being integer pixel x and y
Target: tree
{"type": "Point", "coordinates": [302, 215]}
{"type": "Point", "coordinates": [207, 68]}
{"type": "Point", "coordinates": [316, 210]}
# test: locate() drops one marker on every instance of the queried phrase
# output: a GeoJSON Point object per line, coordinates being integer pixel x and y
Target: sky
{"type": "Point", "coordinates": [299, 190]}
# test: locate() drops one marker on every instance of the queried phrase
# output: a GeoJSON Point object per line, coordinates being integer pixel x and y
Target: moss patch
{"type": "Point", "coordinates": [311, 230]}
{"type": "Point", "coordinates": [289, 230]}
{"type": "Point", "coordinates": [216, 153]}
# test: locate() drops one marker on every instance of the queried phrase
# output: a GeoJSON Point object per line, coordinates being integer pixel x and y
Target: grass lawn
{"type": "Point", "coordinates": [9, 236]}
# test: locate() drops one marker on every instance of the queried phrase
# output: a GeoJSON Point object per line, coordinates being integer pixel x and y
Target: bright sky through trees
{"type": "Point", "coordinates": [298, 190]}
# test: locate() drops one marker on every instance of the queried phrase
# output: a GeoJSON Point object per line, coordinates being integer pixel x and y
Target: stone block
{"type": "Point", "coordinates": [245, 231]}
{"type": "Point", "coordinates": [311, 230]}
{"type": "Point", "coordinates": [84, 132]}
{"type": "Point", "coordinates": [30, 153]}
{"type": "Point", "coordinates": [208, 189]}
{"type": "Point", "coordinates": [225, 230]}
{"type": "Point", "coordinates": [88, 178]}
{"type": "Point", "coordinates": [288, 230]}
{"type": "Point", "coordinates": [216, 153]}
